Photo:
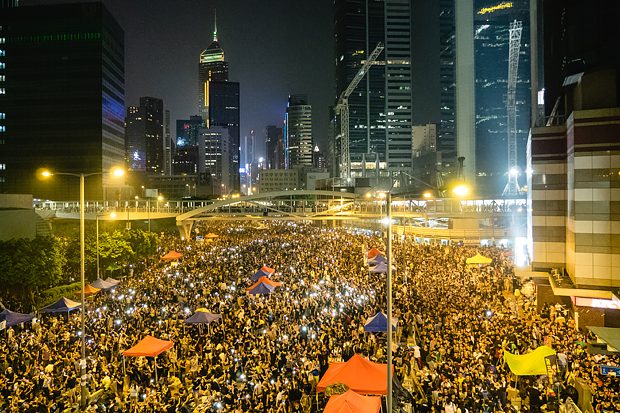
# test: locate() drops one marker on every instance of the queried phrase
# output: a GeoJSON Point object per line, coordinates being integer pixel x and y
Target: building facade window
{"type": "Point", "coordinates": [2, 167]}
{"type": "Point", "coordinates": [2, 115]}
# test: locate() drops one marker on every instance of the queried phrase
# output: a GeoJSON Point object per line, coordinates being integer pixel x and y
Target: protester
{"type": "Point", "coordinates": [268, 351]}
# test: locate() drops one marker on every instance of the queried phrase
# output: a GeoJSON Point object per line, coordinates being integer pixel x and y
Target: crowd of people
{"type": "Point", "coordinates": [268, 352]}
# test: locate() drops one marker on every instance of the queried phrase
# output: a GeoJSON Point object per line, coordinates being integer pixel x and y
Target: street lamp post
{"type": "Point", "coordinates": [389, 300]}
{"type": "Point", "coordinates": [83, 374]}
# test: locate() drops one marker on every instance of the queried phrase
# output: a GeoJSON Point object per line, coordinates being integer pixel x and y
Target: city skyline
{"type": "Point", "coordinates": [268, 46]}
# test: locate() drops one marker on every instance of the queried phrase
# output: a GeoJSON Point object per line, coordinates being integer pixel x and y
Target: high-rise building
{"type": "Point", "coordinates": [211, 67]}
{"type": "Point", "coordinates": [298, 132]}
{"type": "Point", "coordinates": [214, 157]}
{"type": "Point", "coordinates": [62, 98]}
{"type": "Point", "coordinates": [380, 108]}
{"type": "Point", "coordinates": [135, 144]}
{"type": "Point", "coordinates": [273, 136]}
{"type": "Point", "coordinates": [144, 136]}
{"type": "Point", "coordinates": [224, 112]}
{"type": "Point", "coordinates": [446, 131]}
{"type": "Point", "coordinates": [219, 101]}
{"type": "Point", "coordinates": [168, 145]}
{"type": "Point", "coordinates": [358, 28]}
{"type": "Point", "coordinates": [398, 97]}
{"type": "Point", "coordinates": [185, 161]}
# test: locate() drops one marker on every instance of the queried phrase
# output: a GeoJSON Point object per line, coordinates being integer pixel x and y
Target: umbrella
{"type": "Point", "coordinates": [373, 253]}
{"type": "Point", "coordinates": [381, 268]}
{"type": "Point", "coordinates": [12, 318]}
{"type": "Point", "coordinates": [211, 235]}
{"type": "Point", "coordinates": [267, 270]}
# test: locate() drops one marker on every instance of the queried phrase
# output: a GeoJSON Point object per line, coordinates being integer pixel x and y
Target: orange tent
{"type": "Point", "coordinates": [267, 270]}
{"type": "Point", "coordinates": [358, 374]}
{"type": "Point", "coordinates": [149, 346]}
{"type": "Point", "coordinates": [373, 253]}
{"type": "Point", "coordinates": [88, 290]}
{"type": "Point", "coordinates": [172, 256]}
{"type": "Point", "coordinates": [351, 402]}
{"type": "Point", "coordinates": [265, 280]}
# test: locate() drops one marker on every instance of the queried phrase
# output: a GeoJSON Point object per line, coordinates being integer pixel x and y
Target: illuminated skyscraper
{"type": "Point", "coordinates": [298, 132]}
{"type": "Point", "coordinates": [144, 136]}
{"type": "Point", "coordinates": [62, 97]}
{"type": "Point", "coordinates": [380, 108]}
{"type": "Point", "coordinates": [219, 102]}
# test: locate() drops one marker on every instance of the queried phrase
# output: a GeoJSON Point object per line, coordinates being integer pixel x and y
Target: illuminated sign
{"type": "Point", "coordinates": [503, 5]}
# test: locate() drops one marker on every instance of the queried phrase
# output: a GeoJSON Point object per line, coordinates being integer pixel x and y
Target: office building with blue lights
{"type": "Point", "coordinates": [62, 101]}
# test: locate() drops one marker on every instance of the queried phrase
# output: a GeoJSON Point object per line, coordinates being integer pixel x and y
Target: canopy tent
{"type": "Point", "coordinates": [258, 274]}
{"type": "Point", "coordinates": [378, 323]}
{"type": "Point", "coordinates": [88, 290]}
{"type": "Point", "coordinates": [381, 268]}
{"type": "Point", "coordinates": [61, 306]}
{"type": "Point", "coordinates": [478, 259]}
{"type": "Point", "coordinates": [530, 364]}
{"type": "Point", "coordinates": [267, 281]}
{"type": "Point", "coordinates": [172, 256]}
{"type": "Point", "coordinates": [261, 288]}
{"type": "Point", "coordinates": [12, 318]}
{"type": "Point", "coordinates": [267, 270]}
{"type": "Point", "coordinates": [358, 374]}
{"type": "Point", "coordinates": [112, 281]}
{"type": "Point", "coordinates": [202, 316]}
{"type": "Point", "coordinates": [102, 284]}
{"type": "Point", "coordinates": [609, 335]}
{"type": "Point", "coordinates": [211, 235]}
{"type": "Point", "coordinates": [351, 402]}
{"type": "Point", "coordinates": [378, 259]}
{"type": "Point", "coordinates": [373, 253]}
{"type": "Point", "coordinates": [149, 346]}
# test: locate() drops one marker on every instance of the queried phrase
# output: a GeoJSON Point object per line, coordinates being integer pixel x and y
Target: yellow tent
{"type": "Point", "coordinates": [530, 364]}
{"type": "Point", "coordinates": [478, 259]}
{"type": "Point", "coordinates": [211, 235]}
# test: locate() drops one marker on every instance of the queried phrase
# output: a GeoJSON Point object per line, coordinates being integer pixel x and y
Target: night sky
{"type": "Point", "coordinates": [274, 48]}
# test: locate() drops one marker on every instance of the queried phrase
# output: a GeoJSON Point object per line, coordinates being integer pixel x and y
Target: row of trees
{"type": "Point", "coordinates": [30, 266]}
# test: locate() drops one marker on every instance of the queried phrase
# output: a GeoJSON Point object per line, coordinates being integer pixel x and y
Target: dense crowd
{"type": "Point", "coordinates": [268, 352]}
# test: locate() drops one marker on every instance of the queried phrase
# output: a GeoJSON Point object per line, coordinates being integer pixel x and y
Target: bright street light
{"type": "Point", "coordinates": [427, 195]}
{"type": "Point", "coordinates": [461, 190]}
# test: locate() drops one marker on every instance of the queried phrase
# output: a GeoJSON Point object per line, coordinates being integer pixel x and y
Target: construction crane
{"type": "Point", "coordinates": [512, 187]}
{"type": "Point", "coordinates": [342, 109]}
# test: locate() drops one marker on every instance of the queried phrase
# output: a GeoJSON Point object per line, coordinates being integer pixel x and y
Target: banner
{"type": "Point", "coordinates": [2, 325]}
{"type": "Point", "coordinates": [551, 366]}
{"type": "Point", "coordinates": [605, 370]}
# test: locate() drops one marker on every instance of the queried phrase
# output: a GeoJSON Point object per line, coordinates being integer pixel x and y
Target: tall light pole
{"type": "Point", "coordinates": [84, 376]}
{"type": "Point", "coordinates": [389, 299]}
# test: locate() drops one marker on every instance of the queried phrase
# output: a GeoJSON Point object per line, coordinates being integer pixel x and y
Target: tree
{"type": "Point", "coordinates": [28, 266]}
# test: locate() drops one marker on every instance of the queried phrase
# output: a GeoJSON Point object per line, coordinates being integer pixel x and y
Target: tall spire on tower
{"type": "Point", "coordinates": [215, 27]}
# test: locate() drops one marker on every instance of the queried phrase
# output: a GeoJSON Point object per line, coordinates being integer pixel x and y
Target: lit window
{"type": "Point", "coordinates": [2, 128]}
{"type": "Point", "coordinates": [2, 167]}
{"type": "Point", "coordinates": [2, 40]}
{"type": "Point", "coordinates": [2, 78]}
{"type": "Point", "coordinates": [2, 65]}
{"type": "Point", "coordinates": [2, 115]}
{"type": "Point", "coordinates": [2, 91]}
{"type": "Point", "coordinates": [2, 52]}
